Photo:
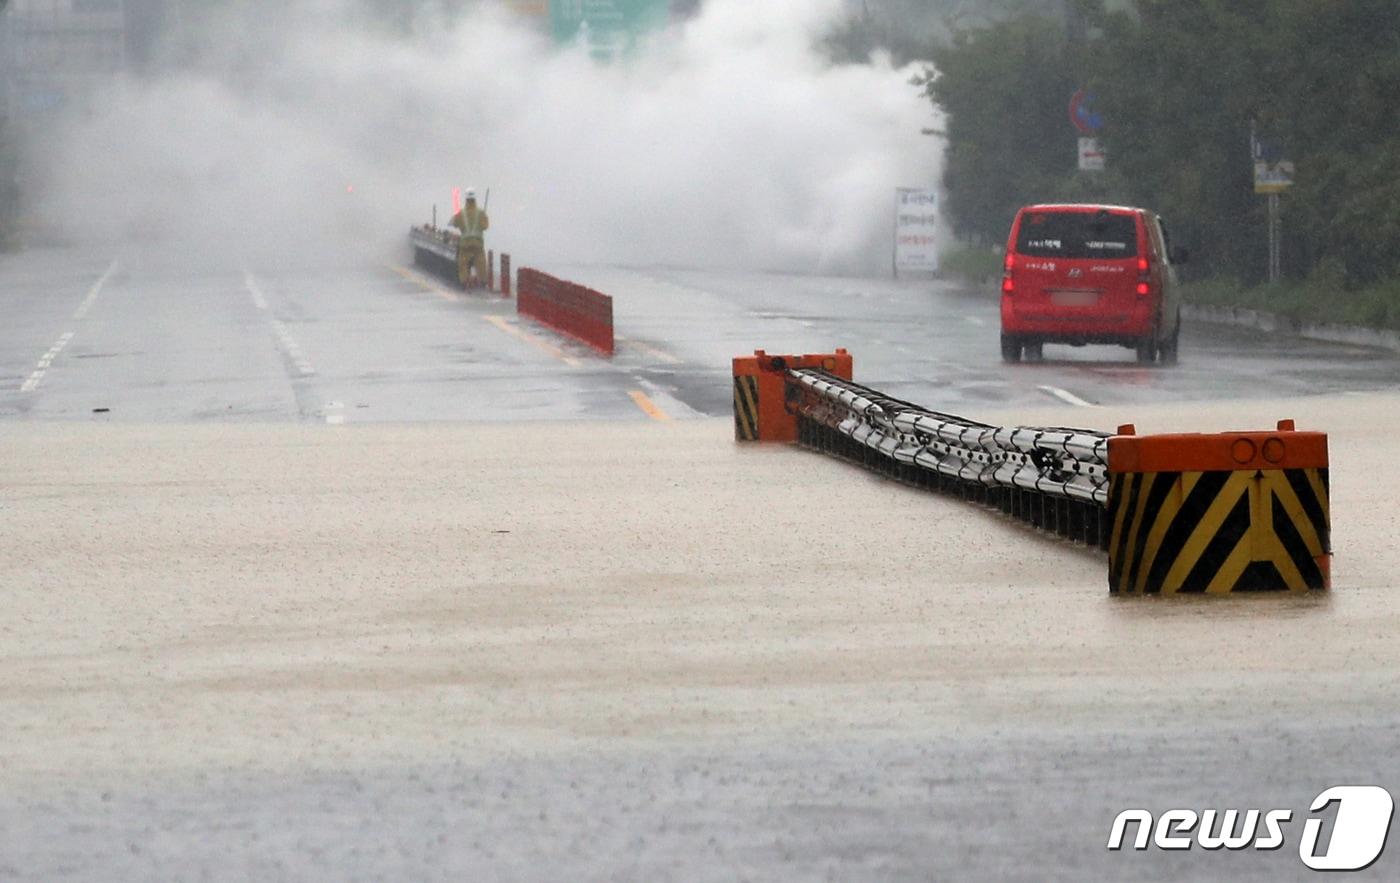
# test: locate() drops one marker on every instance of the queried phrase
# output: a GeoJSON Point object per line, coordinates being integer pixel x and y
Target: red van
{"type": "Point", "coordinates": [1081, 274]}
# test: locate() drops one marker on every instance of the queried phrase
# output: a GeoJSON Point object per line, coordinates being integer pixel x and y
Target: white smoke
{"type": "Point", "coordinates": [728, 141]}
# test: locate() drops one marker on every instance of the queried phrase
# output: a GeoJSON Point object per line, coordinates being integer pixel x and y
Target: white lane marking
{"type": "Point", "coordinates": [284, 337]}
{"type": "Point", "coordinates": [1066, 396]}
{"type": "Point", "coordinates": [974, 320]}
{"type": "Point", "coordinates": [45, 361]}
{"type": "Point", "coordinates": [334, 415]}
{"type": "Point", "coordinates": [259, 299]}
{"type": "Point", "coordinates": [93, 292]}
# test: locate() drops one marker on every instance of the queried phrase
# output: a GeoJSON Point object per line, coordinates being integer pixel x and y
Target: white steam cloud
{"type": "Point", "coordinates": [730, 141]}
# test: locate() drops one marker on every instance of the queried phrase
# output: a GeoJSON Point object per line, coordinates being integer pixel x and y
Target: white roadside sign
{"type": "Point", "coordinates": [915, 229]}
{"type": "Point", "coordinates": [1091, 155]}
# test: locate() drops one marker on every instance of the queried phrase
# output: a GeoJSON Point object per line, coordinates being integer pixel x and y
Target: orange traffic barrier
{"type": "Point", "coordinates": [573, 309]}
{"type": "Point", "coordinates": [761, 411]}
{"type": "Point", "coordinates": [1225, 512]}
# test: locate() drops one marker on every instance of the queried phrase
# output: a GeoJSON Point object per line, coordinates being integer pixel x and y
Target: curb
{"type": "Point", "coordinates": [1273, 323]}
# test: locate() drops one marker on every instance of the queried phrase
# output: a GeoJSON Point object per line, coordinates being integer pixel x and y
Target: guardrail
{"type": "Point", "coordinates": [435, 251]}
{"type": "Point", "coordinates": [1217, 513]}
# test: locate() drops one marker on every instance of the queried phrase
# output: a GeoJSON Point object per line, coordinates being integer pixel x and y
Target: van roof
{"type": "Point", "coordinates": [1080, 207]}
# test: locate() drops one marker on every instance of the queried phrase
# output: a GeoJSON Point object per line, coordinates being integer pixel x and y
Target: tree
{"type": "Point", "coordinates": [1004, 89]}
{"type": "Point", "coordinates": [1181, 84]}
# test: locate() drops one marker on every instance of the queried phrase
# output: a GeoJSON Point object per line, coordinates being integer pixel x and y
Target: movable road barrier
{"type": "Point", "coordinates": [761, 410]}
{"type": "Point", "coordinates": [575, 310]}
{"type": "Point", "coordinates": [1198, 513]}
{"type": "Point", "coordinates": [505, 275]}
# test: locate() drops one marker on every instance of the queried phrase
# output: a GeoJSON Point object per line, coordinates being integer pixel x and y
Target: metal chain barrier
{"type": "Point", "coordinates": [1052, 477]}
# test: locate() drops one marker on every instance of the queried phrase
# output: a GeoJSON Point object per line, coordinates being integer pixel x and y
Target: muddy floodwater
{"type": "Point", "coordinates": [639, 651]}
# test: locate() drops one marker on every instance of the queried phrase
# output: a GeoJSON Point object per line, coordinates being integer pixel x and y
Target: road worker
{"type": "Point", "coordinates": [473, 223]}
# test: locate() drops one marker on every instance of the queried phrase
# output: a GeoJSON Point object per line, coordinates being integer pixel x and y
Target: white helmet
{"type": "Point", "coordinates": [471, 194]}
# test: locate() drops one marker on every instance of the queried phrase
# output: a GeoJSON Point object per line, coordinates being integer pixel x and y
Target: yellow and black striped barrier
{"type": "Point", "coordinates": [746, 408]}
{"type": "Point", "coordinates": [1234, 512]}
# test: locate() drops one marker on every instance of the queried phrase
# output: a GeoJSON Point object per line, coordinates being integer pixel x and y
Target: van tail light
{"type": "Point", "coordinates": [1144, 289]}
{"type": "Point", "coordinates": [1008, 284]}
{"type": "Point", "coordinates": [1144, 286]}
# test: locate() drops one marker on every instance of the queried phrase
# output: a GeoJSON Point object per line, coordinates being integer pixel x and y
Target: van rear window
{"type": "Point", "coordinates": [1097, 235]}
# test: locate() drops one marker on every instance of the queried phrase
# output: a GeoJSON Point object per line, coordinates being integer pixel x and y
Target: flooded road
{"type": "Point", "coordinates": [635, 650]}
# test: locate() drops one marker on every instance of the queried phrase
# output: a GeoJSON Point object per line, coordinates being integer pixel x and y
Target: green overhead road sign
{"type": "Point", "coordinates": [608, 27]}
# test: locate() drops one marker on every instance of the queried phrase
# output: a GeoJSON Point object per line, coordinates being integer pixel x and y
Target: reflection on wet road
{"type": "Point", "coordinates": [138, 337]}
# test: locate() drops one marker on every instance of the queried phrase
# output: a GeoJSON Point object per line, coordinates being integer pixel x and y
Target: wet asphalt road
{"type": "Point", "coordinates": [150, 337]}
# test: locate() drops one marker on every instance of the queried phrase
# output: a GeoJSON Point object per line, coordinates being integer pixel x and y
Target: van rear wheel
{"type": "Point", "coordinates": [1171, 347]}
{"type": "Point", "coordinates": [1147, 349]}
{"type": "Point", "coordinates": [1010, 348]}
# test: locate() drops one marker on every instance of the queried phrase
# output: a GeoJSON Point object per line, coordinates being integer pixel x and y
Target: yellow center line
{"type": "Point", "coordinates": [648, 406]}
{"type": "Point", "coordinates": [658, 354]}
{"type": "Point", "coordinates": [424, 284]}
{"type": "Point", "coordinates": [537, 342]}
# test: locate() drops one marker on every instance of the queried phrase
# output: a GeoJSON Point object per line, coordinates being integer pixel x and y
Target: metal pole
{"type": "Point", "coordinates": [894, 252]}
{"type": "Point", "coordinates": [1275, 240]}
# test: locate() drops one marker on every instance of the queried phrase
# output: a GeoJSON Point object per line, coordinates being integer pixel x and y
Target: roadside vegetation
{"type": "Point", "coordinates": [1181, 86]}
{"type": "Point", "coordinates": [1310, 301]}
{"type": "Point", "coordinates": [977, 265]}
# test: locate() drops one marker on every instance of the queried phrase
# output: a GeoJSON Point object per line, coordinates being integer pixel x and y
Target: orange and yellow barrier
{"type": "Point", "coordinates": [1229, 512]}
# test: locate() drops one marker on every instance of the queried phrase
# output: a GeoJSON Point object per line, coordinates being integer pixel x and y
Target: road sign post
{"type": "Point", "coordinates": [1089, 122]}
{"type": "Point", "coordinates": [1273, 176]}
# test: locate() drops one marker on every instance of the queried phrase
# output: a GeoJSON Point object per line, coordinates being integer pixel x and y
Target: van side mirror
{"type": "Point", "coordinates": [1179, 255]}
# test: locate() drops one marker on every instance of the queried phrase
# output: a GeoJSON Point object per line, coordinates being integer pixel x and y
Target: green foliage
{"type": "Point", "coordinates": [998, 86]}
{"type": "Point", "coordinates": [971, 264]}
{"type": "Point", "coordinates": [1180, 83]}
{"type": "Point", "coordinates": [1322, 298]}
